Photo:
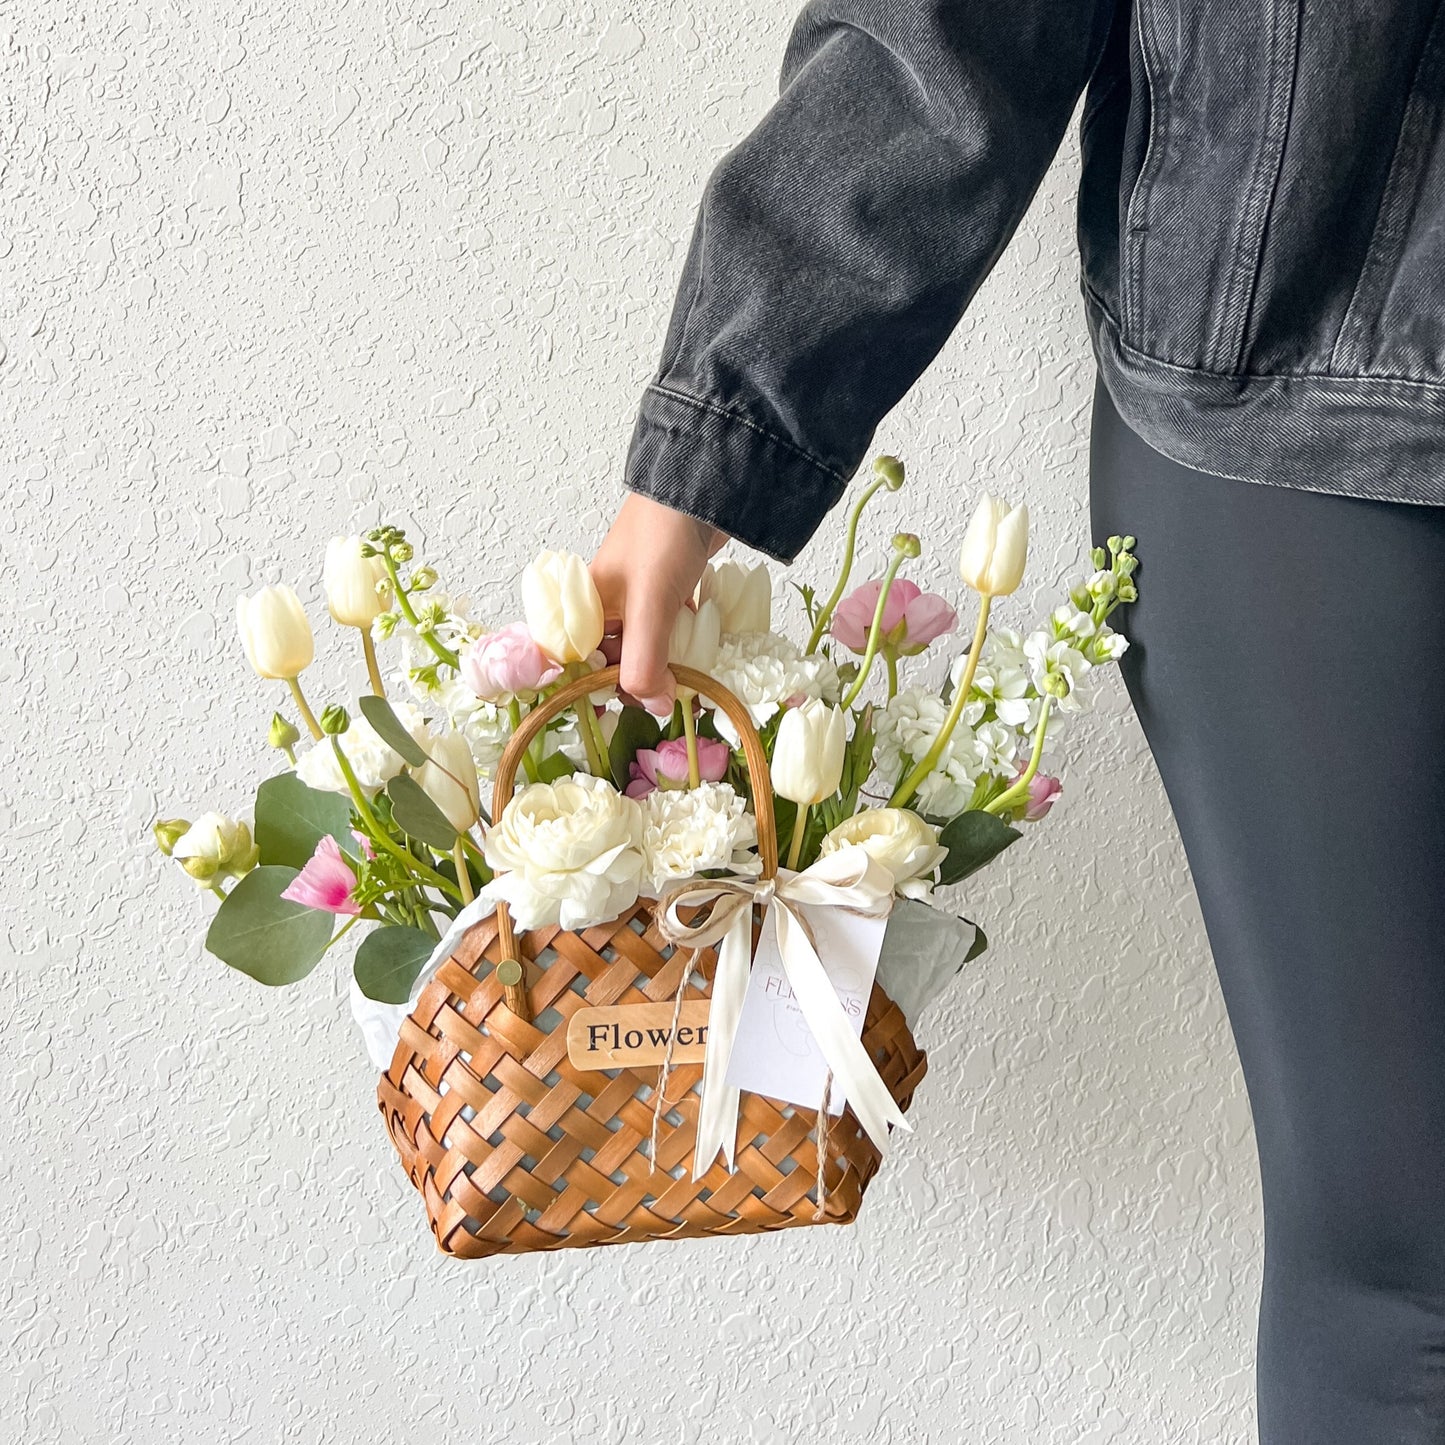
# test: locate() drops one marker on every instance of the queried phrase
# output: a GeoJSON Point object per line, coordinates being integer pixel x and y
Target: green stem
{"type": "Point", "coordinates": [925, 765]}
{"type": "Point", "coordinates": [850, 544]}
{"type": "Point", "coordinates": [307, 716]}
{"type": "Point", "coordinates": [587, 726]}
{"type": "Point", "coordinates": [290, 754]}
{"type": "Point", "coordinates": [795, 846]}
{"type": "Point", "coordinates": [875, 631]}
{"type": "Point", "coordinates": [403, 602]}
{"type": "Point", "coordinates": [368, 648]}
{"type": "Point", "coordinates": [464, 877]}
{"type": "Point", "coordinates": [891, 658]}
{"type": "Point", "coordinates": [1019, 789]}
{"type": "Point", "coordinates": [529, 763]}
{"type": "Point", "coordinates": [689, 732]}
{"type": "Point", "coordinates": [218, 891]}
{"type": "Point", "coordinates": [344, 930]}
{"type": "Point", "coordinates": [380, 836]}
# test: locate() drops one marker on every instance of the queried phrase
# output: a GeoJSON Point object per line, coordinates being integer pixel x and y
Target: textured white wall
{"type": "Point", "coordinates": [278, 275]}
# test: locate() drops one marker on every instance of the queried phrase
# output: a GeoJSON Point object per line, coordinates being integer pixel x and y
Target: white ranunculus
{"type": "Point", "coordinates": [765, 671]}
{"type": "Point", "coordinates": [744, 595]}
{"type": "Point", "coordinates": [568, 853]}
{"type": "Point", "coordinates": [449, 778]}
{"type": "Point", "coordinates": [897, 838]}
{"type": "Point", "coordinates": [215, 847]}
{"type": "Point", "coordinates": [275, 633]}
{"type": "Point", "coordinates": [562, 606]}
{"type": "Point", "coordinates": [374, 761]}
{"type": "Point", "coordinates": [696, 830]}
{"type": "Point", "coordinates": [351, 582]}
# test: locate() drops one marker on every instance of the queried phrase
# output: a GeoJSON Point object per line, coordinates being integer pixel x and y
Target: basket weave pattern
{"type": "Point", "coordinates": [514, 1149]}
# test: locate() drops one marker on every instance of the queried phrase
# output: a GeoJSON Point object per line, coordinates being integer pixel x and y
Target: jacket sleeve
{"type": "Point", "coordinates": [838, 245]}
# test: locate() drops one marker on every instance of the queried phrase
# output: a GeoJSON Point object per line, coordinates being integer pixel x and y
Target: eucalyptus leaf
{"type": "Point", "coordinates": [266, 936]}
{"type": "Point", "coordinates": [979, 944]}
{"type": "Point", "coordinates": [389, 960]}
{"type": "Point", "coordinates": [417, 816]}
{"type": "Point", "coordinates": [973, 839]}
{"type": "Point", "coordinates": [377, 711]}
{"type": "Point", "coordinates": [636, 729]}
{"type": "Point", "coordinates": [291, 819]}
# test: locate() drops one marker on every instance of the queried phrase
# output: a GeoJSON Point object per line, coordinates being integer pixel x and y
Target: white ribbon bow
{"type": "Point", "coordinates": [849, 878]}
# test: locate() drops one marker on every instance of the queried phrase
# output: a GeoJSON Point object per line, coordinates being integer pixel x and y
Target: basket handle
{"type": "Point", "coordinates": [754, 753]}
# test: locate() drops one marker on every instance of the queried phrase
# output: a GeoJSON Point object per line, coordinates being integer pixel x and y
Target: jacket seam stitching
{"type": "Point", "coordinates": [714, 409]}
{"type": "Point", "coordinates": [1134, 254]}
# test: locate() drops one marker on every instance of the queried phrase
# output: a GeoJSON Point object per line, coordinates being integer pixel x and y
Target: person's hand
{"type": "Point", "coordinates": [646, 569]}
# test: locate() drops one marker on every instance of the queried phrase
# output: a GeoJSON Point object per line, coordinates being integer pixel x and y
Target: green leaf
{"type": "Point", "coordinates": [389, 960]}
{"type": "Point", "coordinates": [980, 942]}
{"type": "Point", "coordinates": [973, 840]}
{"type": "Point", "coordinates": [291, 819]}
{"type": "Point", "coordinates": [417, 816]}
{"type": "Point", "coordinates": [636, 728]}
{"type": "Point", "coordinates": [266, 936]}
{"type": "Point", "coordinates": [554, 766]}
{"type": "Point", "coordinates": [377, 711]}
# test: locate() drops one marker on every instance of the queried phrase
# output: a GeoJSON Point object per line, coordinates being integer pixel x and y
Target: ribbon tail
{"type": "Point", "coordinates": [853, 1071]}
{"type": "Point", "coordinates": [717, 1118]}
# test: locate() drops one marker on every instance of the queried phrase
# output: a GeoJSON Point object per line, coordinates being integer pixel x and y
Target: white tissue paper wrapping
{"type": "Point", "coordinates": [923, 951]}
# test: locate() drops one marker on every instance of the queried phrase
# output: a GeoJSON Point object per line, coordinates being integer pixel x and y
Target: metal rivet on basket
{"type": "Point", "coordinates": [509, 975]}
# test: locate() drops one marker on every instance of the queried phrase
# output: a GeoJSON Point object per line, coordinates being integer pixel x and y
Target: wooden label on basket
{"type": "Point", "coordinates": [621, 1035]}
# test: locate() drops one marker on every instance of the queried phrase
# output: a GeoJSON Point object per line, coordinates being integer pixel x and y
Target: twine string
{"type": "Point", "coordinates": [659, 1100]}
{"type": "Point", "coordinates": [819, 1212]}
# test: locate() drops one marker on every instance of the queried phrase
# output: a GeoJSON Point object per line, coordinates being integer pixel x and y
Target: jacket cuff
{"type": "Point", "coordinates": [728, 471]}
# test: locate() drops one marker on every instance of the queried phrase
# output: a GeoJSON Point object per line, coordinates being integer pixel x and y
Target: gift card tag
{"type": "Point", "coordinates": [774, 1052]}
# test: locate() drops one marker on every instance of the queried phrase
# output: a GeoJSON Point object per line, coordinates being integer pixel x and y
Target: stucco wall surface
{"type": "Point", "coordinates": [273, 271]}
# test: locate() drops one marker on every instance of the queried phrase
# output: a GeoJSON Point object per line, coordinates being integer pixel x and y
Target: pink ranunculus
{"type": "Point", "coordinates": [326, 882]}
{"type": "Point", "coordinates": [1043, 794]}
{"type": "Point", "coordinates": [665, 766]}
{"type": "Point", "coordinates": [506, 662]}
{"type": "Point", "coordinates": [912, 618]}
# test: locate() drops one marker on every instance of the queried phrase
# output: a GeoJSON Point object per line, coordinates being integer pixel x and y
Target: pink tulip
{"type": "Point", "coordinates": [326, 883]}
{"type": "Point", "coordinates": [912, 618]}
{"type": "Point", "coordinates": [1043, 794]}
{"type": "Point", "coordinates": [506, 662]}
{"type": "Point", "coordinates": [665, 766]}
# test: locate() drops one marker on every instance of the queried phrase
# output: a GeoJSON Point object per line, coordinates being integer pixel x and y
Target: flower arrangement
{"type": "Point", "coordinates": [378, 815]}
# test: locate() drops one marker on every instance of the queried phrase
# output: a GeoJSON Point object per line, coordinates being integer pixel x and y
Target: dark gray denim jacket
{"type": "Point", "coordinates": [1261, 223]}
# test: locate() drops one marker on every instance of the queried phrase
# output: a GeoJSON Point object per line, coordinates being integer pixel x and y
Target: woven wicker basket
{"type": "Point", "coordinates": [514, 1149]}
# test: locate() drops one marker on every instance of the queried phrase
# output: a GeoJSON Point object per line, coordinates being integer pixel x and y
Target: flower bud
{"type": "Point", "coordinates": [168, 832]}
{"type": "Point", "coordinates": [281, 735]}
{"type": "Point", "coordinates": [335, 720]}
{"type": "Point", "coordinates": [423, 578]}
{"type": "Point", "coordinates": [449, 778]}
{"type": "Point", "coordinates": [807, 761]}
{"type": "Point", "coordinates": [500, 665]}
{"type": "Point", "coordinates": [562, 607]}
{"type": "Point", "coordinates": [275, 633]}
{"type": "Point", "coordinates": [402, 551]}
{"type": "Point", "coordinates": [891, 470]}
{"type": "Point", "coordinates": [908, 544]}
{"type": "Point", "coordinates": [995, 548]}
{"type": "Point", "coordinates": [351, 579]}
{"type": "Point", "coordinates": [215, 846]}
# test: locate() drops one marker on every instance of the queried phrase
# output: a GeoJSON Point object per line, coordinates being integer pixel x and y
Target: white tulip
{"type": "Point", "coordinates": [995, 547]}
{"type": "Point", "coordinates": [898, 839]}
{"type": "Point", "coordinates": [562, 608]}
{"type": "Point", "coordinates": [695, 637]}
{"type": "Point", "coordinates": [449, 778]}
{"type": "Point", "coordinates": [744, 595]}
{"type": "Point", "coordinates": [351, 581]}
{"type": "Point", "coordinates": [275, 633]}
{"type": "Point", "coordinates": [213, 847]}
{"type": "Point", "coordinates": [807, 761]}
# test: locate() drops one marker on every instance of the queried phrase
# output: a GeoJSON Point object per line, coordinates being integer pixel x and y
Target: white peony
{"type": "Point", "coordinates": [374, 761]}
{"type": "Point", "coordinates": [690, 831]}
{"type": "Point", "coordinates": [568, 853]}
{"type": "Point", "coordinates": [765, 671]}
{"type": "Point", "coordinates": [897, 838]}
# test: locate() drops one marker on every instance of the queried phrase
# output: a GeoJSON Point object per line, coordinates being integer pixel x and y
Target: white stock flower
{"type": "Point", "coordinates": [765, 671]}
{"type": "Point", "coordinates": [1001, 682]}
{"type": "Point", "coordinates": [908, 725]}
{"type": "Point", "coordinates": [1058, 668]}
{"type": "Point", "coordinates": [696, 830]}
{"type": "Point", "coordinates": [897, 838]}
{"type": "Point", "coordinates": [374, 761]}
{"type": "Point", "coordinates": [568, 853]}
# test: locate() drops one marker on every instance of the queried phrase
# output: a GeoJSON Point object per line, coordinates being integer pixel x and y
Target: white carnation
{"type": "Point", "coordinates": [696, 830]}
{"type": "Point", "coordinates": [765, 671]}
{"type": "Point", "coordinates": [568, 853]}
{"type": "Point", "coordinates": [374, 761]}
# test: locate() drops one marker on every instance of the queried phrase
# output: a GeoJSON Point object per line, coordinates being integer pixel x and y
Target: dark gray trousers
{"type": "Point", "coordinates": [1288, 667]}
